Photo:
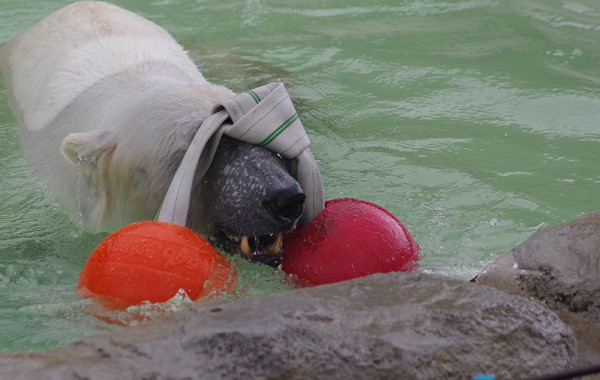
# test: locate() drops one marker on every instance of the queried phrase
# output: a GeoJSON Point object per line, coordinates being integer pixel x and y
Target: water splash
{"type": "Point", "coordinates": [144, 312]}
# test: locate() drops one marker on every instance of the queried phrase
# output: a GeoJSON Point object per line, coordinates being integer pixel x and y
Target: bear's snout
{"type": "Point", "coordinates": [248, 199]}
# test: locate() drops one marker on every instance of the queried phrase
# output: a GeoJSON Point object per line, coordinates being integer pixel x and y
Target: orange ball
{"type": "Point", "coordinates": [151, 261]}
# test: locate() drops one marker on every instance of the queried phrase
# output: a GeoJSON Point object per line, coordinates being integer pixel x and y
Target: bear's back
{"type": "Point", "coordinates": [60, 57]}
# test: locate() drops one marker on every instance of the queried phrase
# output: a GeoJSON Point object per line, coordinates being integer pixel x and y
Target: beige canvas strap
{"type": "Point", "coordinates": [264, 116]}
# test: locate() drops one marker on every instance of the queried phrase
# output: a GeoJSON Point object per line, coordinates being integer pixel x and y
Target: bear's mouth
{"type": "Point", "coordinates": [263, 249]}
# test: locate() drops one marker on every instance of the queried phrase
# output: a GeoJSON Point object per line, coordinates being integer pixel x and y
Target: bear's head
{"type": "Point", "coordinates": [243, 203]}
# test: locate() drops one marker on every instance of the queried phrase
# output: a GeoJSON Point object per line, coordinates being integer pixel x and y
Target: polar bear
{"type": "Point", "coordinates": [108, 103]}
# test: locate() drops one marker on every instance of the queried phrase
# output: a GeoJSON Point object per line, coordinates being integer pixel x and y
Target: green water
{"type": "Point", "coordinates": [475, 122]}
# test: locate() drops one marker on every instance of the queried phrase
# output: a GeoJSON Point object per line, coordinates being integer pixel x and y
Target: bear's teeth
{"type": "Point", "coordinates": [276, 247]}
{"type": "Point", "coordinates": [244, 245]}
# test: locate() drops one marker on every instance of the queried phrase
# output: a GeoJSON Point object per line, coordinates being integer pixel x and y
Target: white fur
{"type": "Point", "coordinates": [118, 94]}
{"type": "Point", "coordinates": [64, 54]}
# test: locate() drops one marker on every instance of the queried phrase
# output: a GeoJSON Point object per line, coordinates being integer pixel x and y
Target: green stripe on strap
{"type": "Point", "coordinates": [279, 130]}
{"type": "Point", "coordinates": [254, 96]}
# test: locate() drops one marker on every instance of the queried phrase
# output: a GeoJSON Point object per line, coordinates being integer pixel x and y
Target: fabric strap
{"type": "Point", "coordinates": [264, 116]}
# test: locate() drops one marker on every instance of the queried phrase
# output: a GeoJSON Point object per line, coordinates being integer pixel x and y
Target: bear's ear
{"type": "Point", "coordinates": [88, 150]}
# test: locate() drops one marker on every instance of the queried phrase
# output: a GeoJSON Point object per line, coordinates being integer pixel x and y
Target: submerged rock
{"type": "Point", "coordinates": [383, 326]}
{"type": "Point", "coordinates": [560, 268]}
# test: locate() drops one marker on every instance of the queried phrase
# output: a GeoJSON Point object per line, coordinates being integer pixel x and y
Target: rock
{"type": "Point", "coordinates": [385, 326]}
{"type": "Point", "coordinates": [560, 268]}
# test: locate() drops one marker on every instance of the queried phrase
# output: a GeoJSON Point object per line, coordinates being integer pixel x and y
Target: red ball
{"type": "Point", "coordinates": [151, 261]}
{"type": "Point", "coordinates": [351, 238]}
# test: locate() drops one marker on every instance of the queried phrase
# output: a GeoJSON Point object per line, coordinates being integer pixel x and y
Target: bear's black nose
{"type": "Point", "coordinates": [286, 204]}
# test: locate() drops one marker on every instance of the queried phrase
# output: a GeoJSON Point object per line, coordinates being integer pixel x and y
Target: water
{"type": "Point", "coordinates": [475, 122]}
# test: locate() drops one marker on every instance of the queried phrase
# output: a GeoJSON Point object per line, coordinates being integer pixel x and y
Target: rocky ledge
{"type": "Point", "coordinates": [559, 268]}
{"type": "Point", "coordinates": [383, 326]}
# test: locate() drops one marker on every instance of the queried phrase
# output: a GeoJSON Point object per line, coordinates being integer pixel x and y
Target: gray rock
{"type": "Point", "coordinates": [560, 268]}
{"type": "Point", "coordinates": [385, 326]}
